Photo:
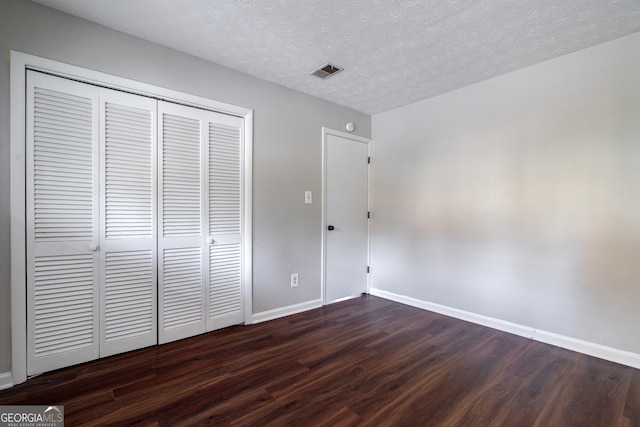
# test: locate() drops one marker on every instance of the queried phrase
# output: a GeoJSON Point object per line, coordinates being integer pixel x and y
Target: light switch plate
{"type": "Point", "coordinates": [308, 197]}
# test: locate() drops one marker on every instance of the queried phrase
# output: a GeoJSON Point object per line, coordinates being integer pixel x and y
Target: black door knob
{"type": "Point", "coordinates": [331, 227]}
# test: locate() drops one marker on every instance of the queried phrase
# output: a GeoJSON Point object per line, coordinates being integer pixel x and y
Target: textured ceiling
{"type": "Point", "coordinates": [393, 52]}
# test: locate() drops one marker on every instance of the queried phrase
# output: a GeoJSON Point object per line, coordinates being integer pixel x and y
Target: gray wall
{"type": "Point", "coordinates": [518, 198]}
{"type": "Point", "coordinates": [287, 142]}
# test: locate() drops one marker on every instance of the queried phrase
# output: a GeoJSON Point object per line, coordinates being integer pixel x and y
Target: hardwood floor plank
{"type": "Point", "coordinates": [365, 361]}
{"type": "Point", "coordinates": [540, 370]}
{"type": "Point", "coordinates": [609, 379]}
{"type": "Point", "coordinates": [222, 413]}
{"type": "Point", "coordinates": [632, 401]}
{"type": "Point", "coordinates": [488, 405]}
{"type": "Point", "coordinates": [572, 405]}
{"type": "Point", "coordinates": [87, 401]}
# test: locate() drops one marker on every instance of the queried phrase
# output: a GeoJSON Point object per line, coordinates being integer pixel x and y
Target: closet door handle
{"type": "Point", "coordinates": [330, 228]}
{"type": "Point", "coordinates": [93, 247]}
{"type": "Point", "coordinates": [210, 240]}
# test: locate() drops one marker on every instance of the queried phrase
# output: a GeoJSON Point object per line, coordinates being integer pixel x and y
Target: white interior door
{"type": "Point", "coordinates": [346, 215]}
{"type": "Point", "coordinates": [128, 290]}
{"type": "Point", "coordinates": [62, 223]}
{"type": "Point", "coordinates": [181, 232]}
{"type": "Point", "coordinates": [224, 184]}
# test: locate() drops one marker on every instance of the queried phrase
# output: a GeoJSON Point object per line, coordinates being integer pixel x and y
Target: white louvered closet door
{"type": "Point", "coordinates": [128, 222]}
{"type": "Point", "coordinates": [224, 183]}
{"type": "Point", "coordinates": [134, 221]}
{"type": "Point", "coordinates": [62, 222]}
{"type": "Point", "coordinates": [181, 238]}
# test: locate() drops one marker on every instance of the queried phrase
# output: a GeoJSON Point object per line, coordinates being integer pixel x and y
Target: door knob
{"type": "Point", "coordinates": [93, 247]}
{"type": "Point", "coordinates": [210, 240]}
{"type": "Point", "coordinates": [331, 227]}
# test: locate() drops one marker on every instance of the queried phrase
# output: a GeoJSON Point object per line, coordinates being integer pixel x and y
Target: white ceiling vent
{"type": "Point", "coordinates": [326, 71]}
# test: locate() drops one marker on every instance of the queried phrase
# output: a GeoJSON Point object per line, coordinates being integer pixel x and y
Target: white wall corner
{"type": "Point", "coordinates": [277, 313]}
{"type": "Point", "coordinates": [585, 347]}
{"type": "Point", "coordinates": [6, 380]}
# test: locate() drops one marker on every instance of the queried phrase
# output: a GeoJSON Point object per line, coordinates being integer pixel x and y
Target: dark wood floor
{"type": "Point", "coordinates": [366, 361]}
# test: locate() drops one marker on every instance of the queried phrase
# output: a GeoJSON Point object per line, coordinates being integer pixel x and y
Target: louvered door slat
{"type": "Point", "coordinates": [128, 243]}
{"type": "Point", "coordinates": [127, 180]}
{"type": "Point", "coordinates": [129, 310]}
{"type": "Point", "coordinates": [57, 290]}
{"type": "Point", "coordinates": [181, 176]}
{"type": "Point", "coordinates": [58, 171]}
{"type": "Point", "coordinates": [62, 223]}
{"type": "Point", "coordinates": [225, 290]}
{"type": "Point", "coordinates": [224, 179]}
{"type": "Point", "coordinates": [182, 287]}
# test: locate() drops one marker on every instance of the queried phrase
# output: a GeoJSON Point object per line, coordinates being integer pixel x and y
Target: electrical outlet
{"type": "Point", "coordinates": [294, 280]}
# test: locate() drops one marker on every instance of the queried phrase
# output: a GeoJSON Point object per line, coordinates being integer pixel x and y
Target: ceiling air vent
{"type": "Point", "coordinates": [326, 71]}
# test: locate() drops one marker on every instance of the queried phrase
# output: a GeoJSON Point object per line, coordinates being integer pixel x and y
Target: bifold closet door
{"type": "Point", "coordinates": [224, 184]}
{"type": "Point", "coordinates": [181, 238]}
{"type": "Point", "coordinates": [62, 184]}
{"type": "Point", "coordinates": [134, 221]}
{"type": "Point", "coordinates": [91, 243]}
{"type": "Point", "coordinates": [128, 288]}
{"type": "Point", "coordinates": [200, 233]}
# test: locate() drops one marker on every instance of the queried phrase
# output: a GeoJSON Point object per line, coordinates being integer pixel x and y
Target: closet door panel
{"type": "Point", "coordinates": [128, 217]}
{"type": "Point", "coordinates": [224, 214]}
{"type": "Point", "coordinates": [182, 279]}
{"type": "Point", "coordinates": [62, 222]}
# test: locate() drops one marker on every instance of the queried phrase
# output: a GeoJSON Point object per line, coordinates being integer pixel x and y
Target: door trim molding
{"type": "Point", "coordinates": [19, 64]}
{"type": "Point", "coordinates": [323, 253]}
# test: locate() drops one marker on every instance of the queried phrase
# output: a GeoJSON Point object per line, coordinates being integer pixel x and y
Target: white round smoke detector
{"type": "Point", "coordinates": [350, 127]}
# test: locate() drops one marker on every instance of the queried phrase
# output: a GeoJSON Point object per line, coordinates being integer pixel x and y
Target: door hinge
{"type": "Point", "coordinates": [369, 159]}
{"type": "Point", "coordinates": [368, 214]}
{"type": "Point", "coordinates": [367, 269]}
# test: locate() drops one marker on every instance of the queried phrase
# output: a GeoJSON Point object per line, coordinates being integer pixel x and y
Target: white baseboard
{"type": "Point", "coordinates": [286, 311]}
{"type": "Point", "coordinates": [592, 349]}
{"type": "Point", "coordinates": [6, 380]}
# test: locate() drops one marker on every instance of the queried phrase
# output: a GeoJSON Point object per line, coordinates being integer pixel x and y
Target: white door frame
{"type": "Point", "coordinates": [323, 271]}
{"type": "Point", "coordinates": [20, 63]}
